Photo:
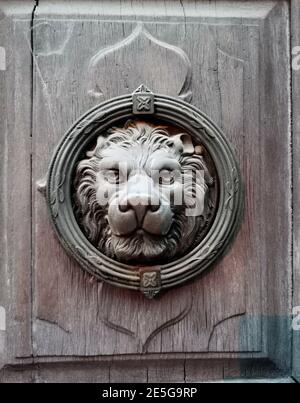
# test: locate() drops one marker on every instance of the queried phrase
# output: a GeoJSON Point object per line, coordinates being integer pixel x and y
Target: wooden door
{"type": "Point", "coordinates": [232, 60]}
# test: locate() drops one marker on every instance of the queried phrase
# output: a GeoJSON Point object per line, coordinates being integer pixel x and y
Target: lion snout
{"type": "Point", "coordinates": [138, 211]}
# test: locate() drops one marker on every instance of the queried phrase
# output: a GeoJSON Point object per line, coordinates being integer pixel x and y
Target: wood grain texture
{"type": "Point", "coordinates": [15, 178]}
{"type": "Point", "coordinates": [295, 14]}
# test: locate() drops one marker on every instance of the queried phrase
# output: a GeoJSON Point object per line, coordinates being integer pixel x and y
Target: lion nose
{"type": "Point", "coordinates": [140, 204]}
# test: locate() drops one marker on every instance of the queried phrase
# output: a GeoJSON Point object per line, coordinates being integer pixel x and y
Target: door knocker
{"type": "Point", "coordinates": [144, 192]}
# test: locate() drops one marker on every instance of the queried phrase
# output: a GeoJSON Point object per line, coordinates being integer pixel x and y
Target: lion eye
{"type": "Point", "coordinates": [112, 176]}
{"type": "Point", "coordinates": [166, 177]}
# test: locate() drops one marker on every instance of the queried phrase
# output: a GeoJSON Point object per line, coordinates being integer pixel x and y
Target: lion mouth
{"type": "Point", "coordinates": [139, 245]}
{"type": "Point", "coordinates": [138, 232]}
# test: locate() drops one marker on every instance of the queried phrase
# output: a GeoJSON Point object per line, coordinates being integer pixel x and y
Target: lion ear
{"type": "Point", "coordinates": [183, 143]}
{"type": "Point", "coordinates": [100, 142]}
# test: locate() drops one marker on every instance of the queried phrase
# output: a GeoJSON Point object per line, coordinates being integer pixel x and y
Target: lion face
{"type": "Point", "coordinates": [141, 194]}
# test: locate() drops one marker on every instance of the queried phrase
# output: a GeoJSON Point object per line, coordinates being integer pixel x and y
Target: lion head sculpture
{"type": "Point", "coordinates": [142, 194]}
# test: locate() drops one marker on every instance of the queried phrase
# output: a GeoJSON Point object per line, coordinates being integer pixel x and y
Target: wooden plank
{"type": "Point", "coordinates": [15, 180]}
{"type": "Point", "coordinates": [17, 375]}
{"type": "Point", "coordinates": [3, 245]}
{"type": "Point", "coordinates": [58, 373]}
{"type": "Point", "coordinates": [275, 157]}
{"type": "Point", "coordinates": [153, 371]}
{"type": "Point", "coordinates": [230, 370]}
{"type": "Point", "coordinates": [74, 373]}
{"type": "Point", "coordinates": [165, 371]}
{"type": "Point", "coordinates": [295, 14]}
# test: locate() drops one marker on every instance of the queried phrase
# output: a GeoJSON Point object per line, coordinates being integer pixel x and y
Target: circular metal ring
{"type": "Point", "coordinates": [86, 130]}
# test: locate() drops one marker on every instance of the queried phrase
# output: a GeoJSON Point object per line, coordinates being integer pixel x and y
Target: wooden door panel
{"type": "Point", "coordinates": [122, 322]}
{"type": "Point", "coordinates": [223, 57]}
{"type": "Point", "coordinates": [222, 310]}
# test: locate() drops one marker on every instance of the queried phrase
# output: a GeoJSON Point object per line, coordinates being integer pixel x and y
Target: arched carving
{"type": "Point", "coordinates": [151, 58]}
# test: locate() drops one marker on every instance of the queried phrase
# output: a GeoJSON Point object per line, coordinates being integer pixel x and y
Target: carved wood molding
{"type": "Point", "coordinates": [141, 48]}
